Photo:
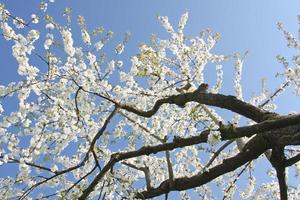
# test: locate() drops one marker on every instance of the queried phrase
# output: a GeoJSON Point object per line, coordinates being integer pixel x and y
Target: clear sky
{"type": "Point", "coordinates": [244, 25]}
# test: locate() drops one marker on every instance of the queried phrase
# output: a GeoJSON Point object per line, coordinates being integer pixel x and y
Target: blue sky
{"type": "Point", "coordinates": [244, 25]}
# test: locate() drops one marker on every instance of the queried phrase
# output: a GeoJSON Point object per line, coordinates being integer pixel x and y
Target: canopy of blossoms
{"type": "Point", "coordinates": [92, 125]}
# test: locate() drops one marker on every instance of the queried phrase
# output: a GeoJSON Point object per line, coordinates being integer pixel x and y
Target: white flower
{"type": "Point", "coordinates": [238, 77]}
{"type": "Point", "coordinates": [250, 188]}
{"type": "Point", "coordinates": [1, 109]}
{"type": "Point", "coordinates": [5, 158]}
{"type": "Point", "coordinates": [1, 8]}
{"type": "Point", "coordinates": [182, 22]}
{"type": "Point", "coordinates": [50, 26]}
{"type": "Point", "coordinates": [91, 57]}
{"type": "Point", "coordinates": [119, 48]}
{"type": "Point", "coordinates": [34, 18]}
{"type": "Point", "coordinates": [68, 42]}
{"type": "Point", "coordinates": [219, 83]}
{"type": "Point", "coordinates": [43, 6]}
{"type": "Point", "coordinates": [33, 35]}
{"type": "Point", "coordinates": [214, 137]}
{"type": "Point", "coordinates": [111, 65]}
{"type": "Point", "coordinates": [164, 21]}
{"type": "Point", "coordinates": [48, 41]}
{"type": "Point", "coordinates": [290, 73]}
{"type": "Point", "coordinates": [119, 63]}
{"type": "Point", "coordinates": [86, 37]}
{"type": "Point", "coordinates": [27, 123]}
{"type": "Point", "coordinates": [99, 45]}
{"type": "Point", "coordinates": [20, 23]}
{"type": "Point", "coordinates": [54, 168]}
{"type": "Point", "coordinates": [8, 32]}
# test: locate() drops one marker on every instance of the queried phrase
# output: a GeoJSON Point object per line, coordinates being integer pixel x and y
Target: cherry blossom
{"type": "Point", "coordinates": [93, 124]}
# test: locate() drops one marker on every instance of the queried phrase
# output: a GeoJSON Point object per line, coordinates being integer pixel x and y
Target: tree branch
{"type": "Point", "coordinates": [278, 162]}
{"type": "Point", "coordinates": [146, 150]}
{"type": "Point", "coordinates": [218, 100]}
{"type": "Point", "coordinates": [230, 132]}
{"type": "Point", "coordinates": [292, 160]}
{"type": "Point", "coordinates": [182, 142]}
{"type": "Point", "coordinates": [257, 146]}
{"type": "Point", "coordinates": [170, 169]}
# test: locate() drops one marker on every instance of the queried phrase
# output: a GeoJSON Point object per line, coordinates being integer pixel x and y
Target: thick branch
{"type": "Point", "coordinates": [256, 147]}
{"type": "Point", "coordinates": [278, 162]}
{"type": "Point", "coordinates": [218, 100]}
{"type": "Point", "coordinates": [182, 142]}
{"type": "Point", "coordinates": [268, 125]}
{"type": "Point", "coordinates": [146, 150]}
{"type": "Point", "coordinates": [282, 183]}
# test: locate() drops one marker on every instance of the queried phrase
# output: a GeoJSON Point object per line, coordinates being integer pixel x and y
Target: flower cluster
{"type": "Point", "coordinates": [292, 71]}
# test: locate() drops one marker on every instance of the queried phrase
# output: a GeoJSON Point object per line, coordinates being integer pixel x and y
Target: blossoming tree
{"type": "Point", "coordinates": [90, 126]}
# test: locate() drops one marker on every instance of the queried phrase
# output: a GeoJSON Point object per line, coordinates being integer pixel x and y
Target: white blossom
{"type": "Point", "coordinates": [119, 48]}
{"type": "Point", "coordinates": [92, 58]}
{"type": "Point", "coordinates": [86, 37]}
{"type": "Point", "coordinates": [34, 18]}
{"type": "Point", "coordinates": [68, 42]}
{"type": "Point", "coordinates": [119, 63]}
{"type": "Point", "coordinates": [19, 23]}
{"type": "Point", "coordinates": [99, 45]}
{"type": "Point", "coordinates": [214, 137]}
{"type": "Point", "coordinates": [8, 32]}
{"type": "Point", "coordinates": [33, 35]}
{"type": "Point", "coordinates": [54, 168]}
{"type": "Point", "coordinates": [63, 109]}
{"type": "Point", "coordinates": [50, 26]}
{"type": "Point", "coordinates": [49, 41]}
{"type": "Point", "coordinates": [182, 22]}
{"type": "Point", "coordinates": [250, 188]}
{"type": "Point", "coordinates": [164, 21]}
{"type": "Point", "coordinates": [1, 108]}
